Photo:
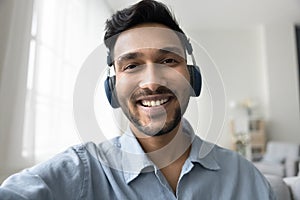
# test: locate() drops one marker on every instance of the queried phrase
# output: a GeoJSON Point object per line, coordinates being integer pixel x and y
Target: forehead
{"type": "Point", "coordinates": [154, 36]}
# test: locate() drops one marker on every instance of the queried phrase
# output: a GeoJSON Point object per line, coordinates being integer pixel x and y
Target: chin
{"type": "Point", "coordinates": [159, 128]}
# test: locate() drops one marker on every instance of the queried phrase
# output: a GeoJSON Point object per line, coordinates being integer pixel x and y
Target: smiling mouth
{"type": "Point", "coordinates": [154, 103]}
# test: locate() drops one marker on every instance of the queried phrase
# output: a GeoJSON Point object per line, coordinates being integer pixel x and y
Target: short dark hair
{"type": "Point", "coordinates": [145, 11]}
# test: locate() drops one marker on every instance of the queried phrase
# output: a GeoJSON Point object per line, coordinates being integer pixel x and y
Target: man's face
{"type": "Point", "coordinates": [152, 80]}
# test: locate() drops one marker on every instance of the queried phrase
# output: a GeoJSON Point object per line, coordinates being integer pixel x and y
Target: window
{"type": "Point", "coordinates": [63, 35]}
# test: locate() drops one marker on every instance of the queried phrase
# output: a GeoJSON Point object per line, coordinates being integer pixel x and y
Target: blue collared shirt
{"type": "Point", "coordinates": [119, 169]}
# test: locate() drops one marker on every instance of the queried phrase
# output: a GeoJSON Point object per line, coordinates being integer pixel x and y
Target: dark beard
{"type": "Point", "coordinates": [167, 127]}
{"type": "Point", "coordinates": [148, 131]}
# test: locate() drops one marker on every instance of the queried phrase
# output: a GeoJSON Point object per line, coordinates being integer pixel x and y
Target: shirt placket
{"type": "Point", "coordinates": [186, 168]}
{"type": "Point", "coordinates": [166, 188]}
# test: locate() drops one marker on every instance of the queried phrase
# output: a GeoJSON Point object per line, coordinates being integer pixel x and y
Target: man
{"type": "Point", "coordinates": [159, 156]}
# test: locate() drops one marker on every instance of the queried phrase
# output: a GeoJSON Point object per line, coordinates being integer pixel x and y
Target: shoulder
{"type": "Point", "coordinates": [226, 157]}
{"type": "Point", "coordinates": [242, 171]}
{"type": "Point", "coordinates": [60, 177]}
{"type": "Point", "coordinates": [66, 161]}
{"type": "Point", "coordinates": [232, 164]}
{"type": "Point", "coordinates": [223, 157]}
{"type": "Point", "coordinates": [107, 153]}
{"type": "Point", "coordinates": [78, 156]}
{"type": "Point", "coordinates": [235, 163]}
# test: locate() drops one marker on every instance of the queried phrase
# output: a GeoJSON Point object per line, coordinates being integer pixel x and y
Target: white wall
{"type": "Point", "coordinates": [14, 55]}
{"type": "Point", "coordinates": [5, 18]}
{"type": "Point", "coordinates": [237, 54]}
{"type": "Point", "coordinates": [258, 63]}
{"type": "Point", "coordinates": [283, 85]}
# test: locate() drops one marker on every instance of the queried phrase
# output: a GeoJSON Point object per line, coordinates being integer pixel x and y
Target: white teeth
{"type": "Point", "coordinates": [153, 103]}
{"type": "Point", "coordinates": [157, 103]}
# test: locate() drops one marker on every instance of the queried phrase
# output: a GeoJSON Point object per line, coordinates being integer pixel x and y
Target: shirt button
{"type": "Point", "coordinates": [118, 145]}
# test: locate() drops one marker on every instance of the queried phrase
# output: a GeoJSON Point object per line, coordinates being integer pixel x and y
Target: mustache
{"type": "Point", "coordinates": [146, 92]}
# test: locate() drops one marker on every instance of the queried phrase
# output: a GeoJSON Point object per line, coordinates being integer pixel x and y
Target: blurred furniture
{"type": "Point", "coordinates": [254, 139]}
{"type": "Point", "coordinates": [281, 159]}
{"type": "Point", "coordinates": [257, 138]}
{"type": "Point", "coordinates": [294, 185]}
{"type": "Point", "coordinates": [280, 187]}
{"type": "Point", "coordinates": [285, 188]}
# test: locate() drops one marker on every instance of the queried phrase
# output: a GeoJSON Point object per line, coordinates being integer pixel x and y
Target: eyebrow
{"type": "Point", "coordinates": [175, 50]}
{"type": "Point", "coordinates": [129, 56]}
{"type": "Point", "coordinates": [134, 55]}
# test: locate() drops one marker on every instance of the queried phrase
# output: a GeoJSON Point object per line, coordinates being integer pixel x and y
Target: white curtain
{"type": "Point", "coordinates": [15, 23]}
{"type": "Point", "coordinates": [64, 33]}
{"type": "Point", "coordinates": [43, 45]}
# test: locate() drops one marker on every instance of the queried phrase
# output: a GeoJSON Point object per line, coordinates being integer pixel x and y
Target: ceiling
{"type": "Point", "coordinates": [201, 14]}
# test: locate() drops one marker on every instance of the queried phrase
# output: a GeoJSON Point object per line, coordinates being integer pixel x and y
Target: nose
{"type": "Point", "coordinates": [153, 77]}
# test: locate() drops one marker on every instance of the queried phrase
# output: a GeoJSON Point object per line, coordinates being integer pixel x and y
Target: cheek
{"type": "Point", "coordinates": [185, 74]}
{"type": "Point", "coordinates": [179, 80]}
{"type": "Point", "coordinates": [125, 86]}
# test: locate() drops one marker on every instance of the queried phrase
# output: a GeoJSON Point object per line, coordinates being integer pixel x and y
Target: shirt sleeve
{"type": "Point", "coordinates": [61, 177]}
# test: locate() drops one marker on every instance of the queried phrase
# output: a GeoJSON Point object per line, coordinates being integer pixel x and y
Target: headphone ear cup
{"type": "Point", "coordinates": [109, 85]}
{"type": "Point", "coordinates": [195, 79]}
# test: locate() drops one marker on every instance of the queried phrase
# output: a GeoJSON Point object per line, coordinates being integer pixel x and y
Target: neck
{"type": "Point", "coordinates": [166, 149]}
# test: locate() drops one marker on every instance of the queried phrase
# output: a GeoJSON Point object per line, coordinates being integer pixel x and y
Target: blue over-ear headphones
{"type": "Point", "coordinates": [194, 71]}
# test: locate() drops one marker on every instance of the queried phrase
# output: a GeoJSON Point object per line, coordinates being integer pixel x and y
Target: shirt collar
{"type": "Point", "coordinates": [136, 161]}
{"type": "Point", "coordinates": [202, 152]}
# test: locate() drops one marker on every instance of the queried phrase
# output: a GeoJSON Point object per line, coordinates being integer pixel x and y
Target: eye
{"type": "Point", "coordinates": [169, 61]}
{"type": "Point", "coordinates": [130, 67]}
